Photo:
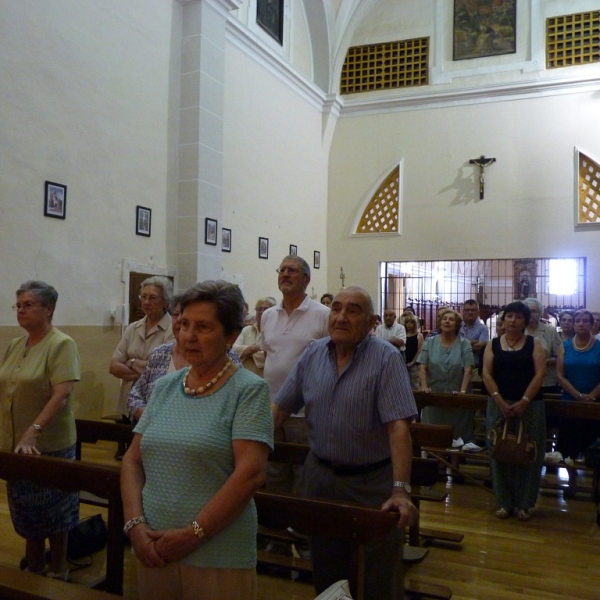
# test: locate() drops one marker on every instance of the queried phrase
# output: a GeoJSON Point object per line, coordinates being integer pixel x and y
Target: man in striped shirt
{"type": "Point", "coordinates": [358, 401]}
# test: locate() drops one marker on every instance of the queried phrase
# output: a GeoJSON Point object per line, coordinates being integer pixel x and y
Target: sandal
{"type": "Point", "coordinates": [502, 513]}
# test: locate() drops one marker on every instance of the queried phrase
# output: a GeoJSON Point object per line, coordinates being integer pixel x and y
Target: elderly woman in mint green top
{"type": "Point", "coordinates": [445, 366]}
{"type": "Point", "coordinates": [37, 375]}
{"type": "Point", "coordinates": [198, 455]}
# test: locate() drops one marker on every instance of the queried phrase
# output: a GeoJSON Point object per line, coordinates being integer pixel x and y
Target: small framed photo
{"type": "Point", "coordinates": [293, 250]}
{"type": "Point", "coordinates": [226, 240]}
{"type": "Point", "coordinates": [210, 232]}
{"type": "Point", "coordinates": [143, 220]}
{"type": "Point", "coordinates": [263, 247]}
{"type": "Point", "coordinates": [55, 200]}
{"type": "Point", "coordinates": [317, 260]}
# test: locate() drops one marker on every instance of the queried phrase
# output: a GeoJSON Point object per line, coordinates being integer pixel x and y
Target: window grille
{"type": "Point", "coordinates": [493, 283]}
{"type": "Point", "coordinates": [381, 214]}
{"type": "Point", "coordinates": [386, 66]}
{"type": "Point", "coordinates": [573, 39]}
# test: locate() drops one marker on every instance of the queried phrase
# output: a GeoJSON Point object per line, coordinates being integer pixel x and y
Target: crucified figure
{"type": "Point", "coordinates": [482, 162]}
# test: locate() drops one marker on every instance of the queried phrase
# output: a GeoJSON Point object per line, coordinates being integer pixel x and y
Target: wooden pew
{"type": "Point", "coordinates": [424, 474]}
{"type": "Point", "coordinates": [74, 476]}
{"type": "Point", "coordinates": [555, 407]}
{"type": "Point", "coordinates": [355, 524]}
{"type": "Point", "coordinates": [90, 432]}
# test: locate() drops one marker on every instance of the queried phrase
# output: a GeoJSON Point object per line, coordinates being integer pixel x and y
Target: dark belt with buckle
{"type": "Point", "coordinates": [340, 469]}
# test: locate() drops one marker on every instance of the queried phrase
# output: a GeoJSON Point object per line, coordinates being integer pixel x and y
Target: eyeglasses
{"type": "Point", "coordinates": [290, 270]}
{"type": "Point", "coordinates": [25, 305]}
{"type": "Point", "coordinates": [145, 298]}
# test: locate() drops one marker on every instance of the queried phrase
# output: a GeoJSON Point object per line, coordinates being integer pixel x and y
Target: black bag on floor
{"type": "Point", "coordinates": [88, 537]}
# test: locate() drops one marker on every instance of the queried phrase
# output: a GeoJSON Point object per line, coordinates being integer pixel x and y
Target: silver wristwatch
{"type": "Point", "coordinates": [403, 485]}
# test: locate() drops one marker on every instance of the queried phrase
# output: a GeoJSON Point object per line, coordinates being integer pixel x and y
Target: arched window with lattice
{"type": "Point", "coordinates": [382, 213]}
{"type": "Point", "coordinates": [588, 190]}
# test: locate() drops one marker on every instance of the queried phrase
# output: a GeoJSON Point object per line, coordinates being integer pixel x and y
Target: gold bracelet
{"type": "Point", "coordinates": [198, 531]}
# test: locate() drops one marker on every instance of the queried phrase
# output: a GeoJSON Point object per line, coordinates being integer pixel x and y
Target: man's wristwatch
{"type": "Point", "coordinates": [403, 485]}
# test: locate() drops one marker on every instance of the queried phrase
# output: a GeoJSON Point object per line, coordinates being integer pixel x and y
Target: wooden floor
{"type": "Point", "coordinates": [554, 556]}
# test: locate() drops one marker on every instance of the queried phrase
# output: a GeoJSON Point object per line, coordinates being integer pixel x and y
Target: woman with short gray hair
{"type": "Point", "coordinates": [247, 346]}
{"type": "Point", "coordinates": [141, 337]}
{"type": "Point", "coordinates": [550, 340]}
{"type": "Point", "coordinates": [37, 375]}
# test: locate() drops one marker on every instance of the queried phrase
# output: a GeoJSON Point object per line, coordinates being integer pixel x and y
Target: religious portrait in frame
{"type": "Point", "coordinates": [263, 247]}
{"type": "Point", "coordinates": [269, 15]}
{"type": "Point", "coordinates": [210, 232]}
{"type": "Point", "coordinates": [55, 200]}
{"type": "Point", "coordinates": [484, 28]}
{"type": "Point", "coordinates": [143, 221]}
{"type": "Point", "coordinates": [317, 260]}
{"type": "Point", "coordinates": [226, 239]}
{"type": "Point", "coordinates": [525, 273]}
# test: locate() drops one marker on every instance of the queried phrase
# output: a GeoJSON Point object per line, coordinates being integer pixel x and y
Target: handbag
{"type": "Point", "coordinates": [90, 536]}
{"type": "Point", "coordinates": [512, 449]}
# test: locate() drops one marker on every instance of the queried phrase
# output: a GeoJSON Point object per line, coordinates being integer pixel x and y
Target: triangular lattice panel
{"type": "Point", "coordinates": [589, 190]}
{"type": "Point", "coordinates": [381, 214]}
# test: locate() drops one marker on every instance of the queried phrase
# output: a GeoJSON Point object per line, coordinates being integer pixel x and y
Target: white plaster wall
{"type": "Point", "coordinates": [85, 102]}
{"type": "Point", "coordinates": [275, 176]}
{"type": "Point", "coordinates": [300, 51]}
{"type": "Point", "coordinates": [528, 210]}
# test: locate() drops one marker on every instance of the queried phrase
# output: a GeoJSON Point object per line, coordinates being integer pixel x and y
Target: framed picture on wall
{"type": "Point", "coordinates": [317, 260]}
{"type": "Point", "coordinates": [269, 15]}
{"type": "Point", "coordinates": [55, 200]}
{"type": "Point", "coordinates": [293, 250]}
{"type": "Point", "coordinates": [263, 247]}
{"type": "Point", "coordinates": [210, 232]}
{"type": "Point", "coordinates": [226, 240]}
{"type": "Point", "coordinates": [484, 28]}
{"type": "Point", "coordinates": [143, 220]}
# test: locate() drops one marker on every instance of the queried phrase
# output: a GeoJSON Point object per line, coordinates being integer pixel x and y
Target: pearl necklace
{"type": "Point", "coordinates": [202, 389]}
{"type": "Point", "coordinates": [585, 347]}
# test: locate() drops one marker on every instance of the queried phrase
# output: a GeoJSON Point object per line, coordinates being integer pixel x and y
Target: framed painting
{"type": "Point", "coordinates": [525, 276]}
{"type": "Point", "coordinates": [55, 200]}
{"type": "Point", "coordinates": [263, 247]}
{"type": "Point", "coordinates": [293, 250]}
{"type": "Point", "coordinates": [226, 240]}
{"type": "Point", "coordinates": [143, 221]}
{"type": "Point", "coordinates": [269, 15]}
{"type": "Point", "coordinates": [484, 28]}
{"type": "Point", "coordinates": [210, 232]}
{"type": "Point", "coordinates": [317, 260]}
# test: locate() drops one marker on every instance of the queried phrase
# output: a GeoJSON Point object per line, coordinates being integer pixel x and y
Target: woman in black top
{"type": "Point", "coordinates": [513, 371]}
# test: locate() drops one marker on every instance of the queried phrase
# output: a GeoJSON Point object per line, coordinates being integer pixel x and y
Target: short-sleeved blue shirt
{"type": "Point", "coordinates": [187, 455]}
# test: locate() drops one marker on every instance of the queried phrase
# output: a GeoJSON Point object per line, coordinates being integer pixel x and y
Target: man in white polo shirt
{"type": "Point", "coordinates": [287, 329]}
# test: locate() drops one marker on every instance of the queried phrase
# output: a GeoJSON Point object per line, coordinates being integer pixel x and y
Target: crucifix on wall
{"type": "Point", "coordinates": [482, 162]}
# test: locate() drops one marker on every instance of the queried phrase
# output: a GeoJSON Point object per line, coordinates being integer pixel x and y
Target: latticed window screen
{"type": "Point", "coordinates": [386, 66]}
{"type": "Point", "coordinates": [573, 39]}
{"type": "Point", "coordinates": [589, 190]}
{"type": "Point", "coordinates": [381, 214]}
